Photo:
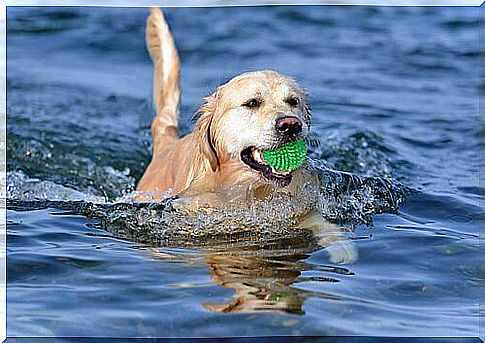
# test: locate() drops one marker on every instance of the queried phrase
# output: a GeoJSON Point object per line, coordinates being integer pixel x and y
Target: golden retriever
{"type": "Point", "coordinates": [221, 159]}
{"type": "Point", "coordinates": [254, 111]}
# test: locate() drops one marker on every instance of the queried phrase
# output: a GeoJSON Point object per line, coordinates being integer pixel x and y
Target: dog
{"type": "Point", "coordinates": [221, 160]}
{"type": "Point", "coordinates": [253, 112]}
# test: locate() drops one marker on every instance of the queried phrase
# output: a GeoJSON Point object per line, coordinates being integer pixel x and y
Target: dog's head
{"type": "Point", "coordinates": [251, 113]}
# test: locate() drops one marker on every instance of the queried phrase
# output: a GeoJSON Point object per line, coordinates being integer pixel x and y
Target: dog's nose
{"type": "Point", "coordinates": [290, 126]}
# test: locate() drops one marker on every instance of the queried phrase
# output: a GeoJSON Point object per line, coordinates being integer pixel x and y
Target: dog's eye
{"type": "Point", "coordinates": [293, 101]}
{"type": "Point", "coordinates": [252, 103]}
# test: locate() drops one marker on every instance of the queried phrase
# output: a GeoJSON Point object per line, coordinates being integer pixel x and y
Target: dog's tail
{"type": "Point", "coordinates": [166, 76]}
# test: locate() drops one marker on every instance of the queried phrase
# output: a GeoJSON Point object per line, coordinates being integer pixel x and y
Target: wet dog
{"type": "Point", "coordinates": [221, 160]}
{"type": "Point", "coordinates": [253, 112]}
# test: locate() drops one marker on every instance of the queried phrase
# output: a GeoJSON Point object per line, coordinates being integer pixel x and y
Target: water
{"type": "Point", "coordinates": [395, 139]}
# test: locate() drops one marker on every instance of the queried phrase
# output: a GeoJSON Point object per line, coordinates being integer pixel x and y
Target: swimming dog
{"type": "Point", "coordinates": [222, 159]}
{"type": "Point", "coordinates": [253, 112]}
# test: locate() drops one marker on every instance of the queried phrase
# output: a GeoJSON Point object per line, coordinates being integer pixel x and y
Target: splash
{"type": "Point", "coordinates": [363, 153]}
{"type": "Point", "coordinates": [21, 187]}
{"type": "Point", "coordinates": [344, 198]}
{"type": "Point", "coordinates": [348, 198]}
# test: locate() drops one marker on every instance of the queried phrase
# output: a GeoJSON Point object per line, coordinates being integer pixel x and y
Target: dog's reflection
{"type": "Point", "coordinates": [260, 283]}
{"type": "Point", "coordinates": [266, 278]}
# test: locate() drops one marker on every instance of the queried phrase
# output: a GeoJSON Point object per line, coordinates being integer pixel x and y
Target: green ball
{"type": "Point", "coordinates": [289, 156]}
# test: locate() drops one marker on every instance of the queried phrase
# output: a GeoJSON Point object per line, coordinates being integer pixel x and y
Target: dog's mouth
{"type": "Point", "coordinates": [253, 158]}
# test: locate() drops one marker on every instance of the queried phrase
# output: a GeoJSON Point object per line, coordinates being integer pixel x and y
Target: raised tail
{"type": "Point", "coordinates": [166, 76]}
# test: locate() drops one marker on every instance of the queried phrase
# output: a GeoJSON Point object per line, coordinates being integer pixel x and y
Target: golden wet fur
{"type": "Point", "coordinates": [207, 161]}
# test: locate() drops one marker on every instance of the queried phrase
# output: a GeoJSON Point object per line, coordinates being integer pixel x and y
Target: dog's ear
{"type": "Point", "coordinates": [205, 128]}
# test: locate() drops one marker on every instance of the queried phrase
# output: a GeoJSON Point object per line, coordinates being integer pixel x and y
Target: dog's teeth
{"type": "Point", "coordinates": [257, 156]}
{"type": "Point", "coordinates": [284, 173]}
{"type": "Point", "coordinates": [279, 172]}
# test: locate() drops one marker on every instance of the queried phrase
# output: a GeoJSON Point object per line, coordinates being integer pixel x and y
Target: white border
{"type": "Point", "coordinates": [227, 3]}
{"type": "Point", "coordinates": [139, 3]}
{"type": "Point", "coordinates": [3, 166]}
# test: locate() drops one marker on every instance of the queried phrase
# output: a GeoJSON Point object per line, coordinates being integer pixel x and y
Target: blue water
{"type": "Point", "coordinates": [396, 130]}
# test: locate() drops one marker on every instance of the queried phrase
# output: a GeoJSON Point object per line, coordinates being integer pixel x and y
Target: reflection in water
{"type": "Point", "coordinates": [264, 278]}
